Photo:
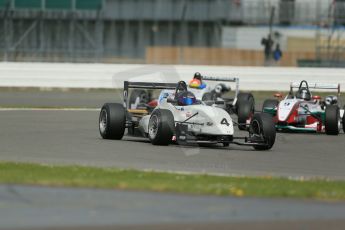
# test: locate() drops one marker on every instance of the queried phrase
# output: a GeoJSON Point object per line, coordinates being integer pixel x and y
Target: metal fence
{"type": "Point", "coordinates": [120, 30]}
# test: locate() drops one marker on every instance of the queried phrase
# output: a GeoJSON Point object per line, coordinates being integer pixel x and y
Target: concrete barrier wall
{"type": "Point", "coordinates": [112, 75]}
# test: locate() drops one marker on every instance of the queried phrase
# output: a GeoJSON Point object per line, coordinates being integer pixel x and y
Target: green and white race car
{"type": "Point", "coordinates": [303, 112]}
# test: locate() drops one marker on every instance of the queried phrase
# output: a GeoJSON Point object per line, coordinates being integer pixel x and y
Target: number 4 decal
{"type": "Point", "coordinates": [224, 122]}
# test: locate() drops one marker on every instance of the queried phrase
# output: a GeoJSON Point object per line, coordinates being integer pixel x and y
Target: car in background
{"type": "Point", "coordinates": [301, 111]}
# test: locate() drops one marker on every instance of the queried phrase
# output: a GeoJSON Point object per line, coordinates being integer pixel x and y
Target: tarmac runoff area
{"type": "Point", "coordinates": [29, 207]}
{"type": "Point", "coordinates": [71, 137]}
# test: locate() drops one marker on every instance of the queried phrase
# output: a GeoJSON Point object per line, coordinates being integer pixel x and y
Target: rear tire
{"type": "Point", "coordinates": [245, 107]}
{"type": "Point", "coordinates": [161, 127]}
{"type": "Point", "coordinates": [112, 121]}
{"type": "Point", "coordinates": [270, 103]}
{"type": "Point", "coordinates": [262, 124]}
{"type": "Point", "coordinates": [332, 120]}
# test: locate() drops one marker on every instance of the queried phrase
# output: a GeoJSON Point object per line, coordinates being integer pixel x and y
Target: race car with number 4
{"type": "Point", "coordinates": [179, 117]}
{"type": "Point", "coordinates": [301, 111]}
{"type": "Point", "coordinates": [239, 103]}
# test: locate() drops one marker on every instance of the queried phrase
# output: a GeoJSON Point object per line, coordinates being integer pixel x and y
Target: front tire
{"type": "Point", "coordinates": [161, 127]}
{"type": "Point", "coordinates": [263, 125]}
{"type": "Point", "coordinates": [332, 120]}
{"type": "Point", "coordinates": [112, 121]}
{"type": "Point", "coordinates": [245, 107]}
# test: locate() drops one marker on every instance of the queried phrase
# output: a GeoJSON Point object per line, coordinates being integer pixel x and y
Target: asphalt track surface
{"type": "Point", "coordinates": [33, 207]}
{"type": "Point", "coordinates": [56, 98]}
{"type": "Point", "coordinates": [72, 137]}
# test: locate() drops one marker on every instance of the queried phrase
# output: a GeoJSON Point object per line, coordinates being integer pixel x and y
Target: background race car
{"type": "Point", "coordinates": [180, 117]}
{"type": "Point", "coordinates": [240, 103]}
{"type": "Point", "coordinates": [304, 112]}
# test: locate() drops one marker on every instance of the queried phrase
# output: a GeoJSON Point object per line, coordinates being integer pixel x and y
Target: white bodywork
{"type": "Point", "coordinates": [210, 120]}
{"type": "Point", "coordinates": [285, 107]}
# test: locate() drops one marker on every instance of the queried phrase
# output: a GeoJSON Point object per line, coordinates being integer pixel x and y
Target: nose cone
{"type": "Point", "coordinates": [285, 108]}
{"type": "Point", "coordinates": [216, 121]}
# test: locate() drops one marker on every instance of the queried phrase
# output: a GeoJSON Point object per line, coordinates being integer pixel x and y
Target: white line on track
{"type": "Point", "coordinates": [49, 109]}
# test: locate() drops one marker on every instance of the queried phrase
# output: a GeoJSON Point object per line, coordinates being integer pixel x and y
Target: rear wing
{"type": "Point", "coordinates": [226, 79]}
{"type": "Point", "coordinates": [143, 85]}
{"type": "Point", "coordinates": [330, 86]}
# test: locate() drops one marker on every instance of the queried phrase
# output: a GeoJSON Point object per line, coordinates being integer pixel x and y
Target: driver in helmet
{"type": "Point", "coordinates": [186, 98]}
{"type": "Point", "coordinates": [221, 89]}
{"type": "Point", "coordinates": [196, 82]}
{"type": "Point", "coordinates": [304, 94]}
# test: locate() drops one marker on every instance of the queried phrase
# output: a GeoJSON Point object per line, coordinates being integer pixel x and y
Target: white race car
{"type": "Point", "coordinates": [241, 103]}
{"type": "Point", "coordinates": [180, 118]}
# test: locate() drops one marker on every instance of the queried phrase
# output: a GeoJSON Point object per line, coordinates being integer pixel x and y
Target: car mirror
{"type": "Point", "coordinates": [278, 95]}
{"type": "Point", "coordinates": [316, 97]}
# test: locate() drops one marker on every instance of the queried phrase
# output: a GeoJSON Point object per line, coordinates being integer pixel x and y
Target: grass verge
{"type": "Point", "coordinates": [110, 178]}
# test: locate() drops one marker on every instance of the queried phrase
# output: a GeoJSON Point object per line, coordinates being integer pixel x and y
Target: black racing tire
{"type": "Point", "coordinates": [332, 120]}
{"type": "Point", "coordinates": [112, 121]}
{"type": "Point", "coordinates": [245, 107]}
{"type": "Point", "coordinates": [161, 127]}
{"type": "Point", "coordinates": [143, 96]}
{"type": "Point", "coordinates": [262, 124]}
{"type": "Point", "coordinates": [270, 103]}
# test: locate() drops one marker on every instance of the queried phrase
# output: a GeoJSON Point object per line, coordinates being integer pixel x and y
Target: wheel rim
{"type": "Point", "coordinates": [153, 126]}
{"type": "Point", "coordinates": [256, 127]}
{"type": "Point", "coordinates": [103, 121]}
{"type": "Point", "coordinates": [339, 124]}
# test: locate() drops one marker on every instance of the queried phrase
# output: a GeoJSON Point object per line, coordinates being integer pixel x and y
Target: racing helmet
{"type": "Point", "coordinates": [303, 93]}
{"type": "Point", "coordinates": [331, 100]}
{"type": "Point", "coordinates": [181, 87]}
{"type": "Point", "coordinates": [195, 83]}
{"type": "Point", "coordinates": [221, 88]}
{"type": "Point", "coordinates": [198, 76]}
{"type": "Point", "coordinates": [186, 98]}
